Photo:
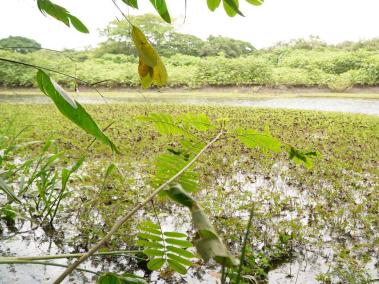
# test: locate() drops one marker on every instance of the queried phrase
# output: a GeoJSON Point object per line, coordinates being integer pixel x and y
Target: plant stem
{"type": "Point", "coordinates": [222, 274]}
{"type": "Point", "coordinates": [15, 261]}
{"type": "Point", "coordinates": [133, 211]}
{"type": "Point", "coordinates": [243, 249]}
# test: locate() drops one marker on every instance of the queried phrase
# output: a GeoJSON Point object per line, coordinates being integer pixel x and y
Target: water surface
{"type": "Point", "coordinates": [351, 105]}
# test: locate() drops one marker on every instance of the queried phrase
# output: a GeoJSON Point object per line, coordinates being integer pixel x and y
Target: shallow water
{"type": "Point", "coordinates": [351, 105]}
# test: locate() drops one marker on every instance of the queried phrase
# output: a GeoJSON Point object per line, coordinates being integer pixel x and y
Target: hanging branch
{"type": "Point", "coordinates": [133, 211]}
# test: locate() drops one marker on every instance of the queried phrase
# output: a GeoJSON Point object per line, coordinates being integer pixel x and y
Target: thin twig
{"type": "Point", "coordinates": [122, 13]}
{"type": "Point", "coordinates": [133, 211]}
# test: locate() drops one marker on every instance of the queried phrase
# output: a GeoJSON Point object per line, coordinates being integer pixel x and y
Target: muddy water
{"type": "Point", "coordinates": [351, 105]}
{"type": "Point", "coordinates": [303, 269]}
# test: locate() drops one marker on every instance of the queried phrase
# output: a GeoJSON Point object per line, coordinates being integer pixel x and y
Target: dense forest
{"type": "Point", "coordinates": [195, 63]}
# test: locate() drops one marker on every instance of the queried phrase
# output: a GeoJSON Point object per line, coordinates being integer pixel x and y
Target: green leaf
{"type": "Point", "coordinates": [113, 278]}
{"type": "Point", "coordinates": [8, 212]}
{"type": "Point", "coordinates": [208, 243]}
{"type": "Point", "coordinates": [181, 252]}
{"type": "Point", "coordinates": [153, 252]}
{"type": "Point", "coordinates": [164, 123]}
{"type": "Point", "coordinates": [179, 259]}
{"type": "Point", "coordinates": [109, 278]}
{"type": "Point", "coordinates": [200, 122]}
{"type": "Point", "coordinates": [148, 224]}
{"type": "Point", "coordinates": [301, 157]}
{"type": "Point", "coordinates": [175, 235]}
{"type": "Point", "coordinates": [156, 263]}
{"type": "Point", "coordinates": [180, 243]}
{"type": "Point", "coordinates": [144, 243]}
{"type": "Point", "coordinates": [71, 108]}
{"type": "Point", "coordinates": [213, 4]}
{"type": "Point", "coordinates": [168, 165]}
{"type": "Point", "coordinates": [174, 265]}
{"type": "Point", "coordinates": [177, 194]}
{"type": "Point", "coordinates": [202, 224]}
{"type": "Point", "coordinates": [66, 173]}
{"type": "Point", "coordinates": [161, 7]}
{"type": "Point", "coordinates": [231, 7]}
{"type": "Point", "coordinates": [61, 14]}
{"type": "Point", "coordinates": [149, 237]}
{"type": "Point", "coordinates": [255, 2]}
{"type": "Point", "coordinates": [131, 3]}
{"type": "Point", "coordinates": [9, 192]}
{"type": "Point", "coordinates": [152, 231]}
{"type": "Point", "coordinates": [77, 24]}
{"type": "Point", "coordinates": [253, 139]}
{"type": "Point", "coordinates": [159, 254]}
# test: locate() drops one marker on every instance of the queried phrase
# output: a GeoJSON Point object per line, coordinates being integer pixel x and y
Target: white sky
{"type": "Point", "coordinates": [276, 20]}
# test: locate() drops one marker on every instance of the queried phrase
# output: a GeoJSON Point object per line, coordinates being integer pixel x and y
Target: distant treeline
{"type": "Point", "coordinates": [192, 62]}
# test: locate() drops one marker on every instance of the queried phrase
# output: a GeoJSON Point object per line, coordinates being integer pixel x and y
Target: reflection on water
{"type": "Point", "coordinates": [365, 106]}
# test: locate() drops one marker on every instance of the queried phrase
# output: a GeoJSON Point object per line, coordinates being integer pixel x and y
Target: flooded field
{"type": "Point", "coordinates": [309, 225]}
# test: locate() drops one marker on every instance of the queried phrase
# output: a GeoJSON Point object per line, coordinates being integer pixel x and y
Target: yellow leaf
{"type": "Point", "coordinates": [159, 73]}
{"type": "Point", "coordinates": [145, 50]}
{"type": "Point", "coordinates": [145, 73]}
{"type": "Point", "coordinates": [146, 81]}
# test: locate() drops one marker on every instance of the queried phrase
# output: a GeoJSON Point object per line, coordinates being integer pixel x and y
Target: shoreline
{"type": "Point", "coordinates": [209, 92]}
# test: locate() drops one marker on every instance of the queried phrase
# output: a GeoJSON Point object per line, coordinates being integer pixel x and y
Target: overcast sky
{"type": "Point", "coordinates": [276, 20]}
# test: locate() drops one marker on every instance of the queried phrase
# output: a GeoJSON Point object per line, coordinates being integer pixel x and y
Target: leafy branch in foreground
{"type": "Point", "coordinates": [231, 7]}
{"type": "Point", "coordinates": [135, 209]}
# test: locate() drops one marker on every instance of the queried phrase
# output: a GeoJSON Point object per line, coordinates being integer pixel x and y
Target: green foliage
{"type": "Point", "coordinates": [303, 157]}
{"type": "Point", "coordinates": [169, 164]}
{"type": "Point", "coordinates": [166, 124]}
{"type": "Point", "coordinates": [252, 138]}
{"type": "Point", "coordinates": [36, 186]}
{"type": "Point", "coordinates": [213, 4]}
{"type": "Point", "coordinates": [231, 7]}
{"type": "Point", "coordinates": [71, 108]}
{"type": "Point", "coordinates": [61, 14]}
{"type": "Point", "coordinates": [131, 3]}
{"type": "Point", "coordinates": [126, 278]}
{"type": "Point", "coordinates": [161, 7]}
{"type": "Point", "coordinates": [164, 248]}
{"type": "Point", "coordinates": [19, 44]}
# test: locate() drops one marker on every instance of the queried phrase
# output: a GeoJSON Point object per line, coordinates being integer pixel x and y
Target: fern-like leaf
{"type": "Point", "coordinates": [165, 249]}
{"type": "Point", "coordinates": [169, 164]}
